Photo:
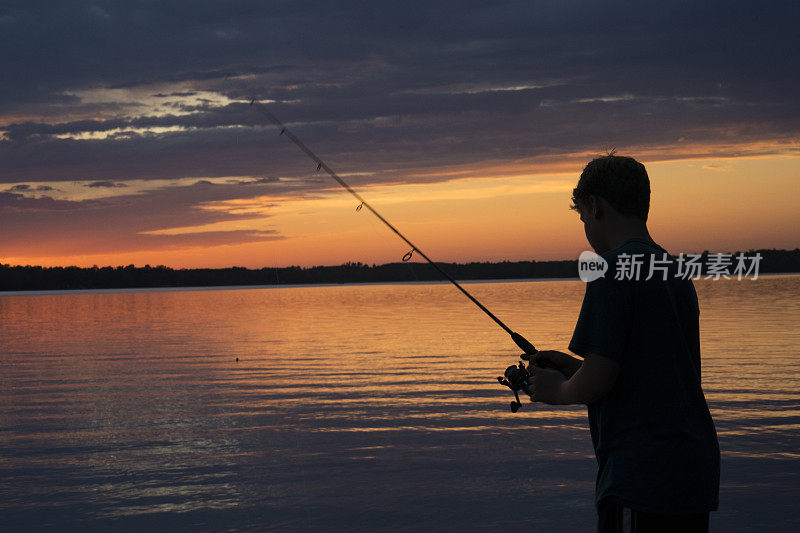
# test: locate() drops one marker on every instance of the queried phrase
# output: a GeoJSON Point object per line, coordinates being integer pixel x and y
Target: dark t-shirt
{"type": "Point", "coordinates": [653, 435]}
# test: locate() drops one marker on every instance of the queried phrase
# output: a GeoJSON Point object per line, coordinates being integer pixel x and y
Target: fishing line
{"type": "Point", "coordinates": [518, 339]}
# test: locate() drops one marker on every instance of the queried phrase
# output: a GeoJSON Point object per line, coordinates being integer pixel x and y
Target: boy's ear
{"type": "Point", "coordinates": [595, 206]}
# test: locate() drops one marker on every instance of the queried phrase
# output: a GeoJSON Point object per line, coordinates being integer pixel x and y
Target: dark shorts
{"type": "Point", "coordinates": [616, 518]}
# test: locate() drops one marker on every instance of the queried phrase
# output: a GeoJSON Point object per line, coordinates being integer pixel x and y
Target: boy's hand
{"type": "Point", "coordinates": [567, 364]}
{"type": "Point", "coordinates": [545, 384]}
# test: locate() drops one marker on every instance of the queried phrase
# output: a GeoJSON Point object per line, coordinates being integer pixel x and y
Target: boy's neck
{"type": "Point", "coordinates": [625, 229]}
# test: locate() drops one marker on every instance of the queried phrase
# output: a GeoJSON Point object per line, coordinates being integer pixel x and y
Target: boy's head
{"type": "Point", "coordinates": [612, 192]}
{"type": "Point", "coordinates": [619, 180]}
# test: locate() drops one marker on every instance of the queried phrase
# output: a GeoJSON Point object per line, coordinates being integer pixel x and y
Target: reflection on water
{"type": "Point", "coordinates": [360, 407]}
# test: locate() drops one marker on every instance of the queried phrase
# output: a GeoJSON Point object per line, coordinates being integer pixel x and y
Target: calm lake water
{"type": "Point", "coordinates": [358, 408]}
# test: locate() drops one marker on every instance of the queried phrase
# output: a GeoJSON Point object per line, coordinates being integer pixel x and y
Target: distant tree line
{"type": "Point", "coordinates": [19, 278]}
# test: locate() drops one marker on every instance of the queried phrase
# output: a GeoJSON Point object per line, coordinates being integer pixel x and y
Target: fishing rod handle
{"type": "Point", "coordinates": [524, 345]}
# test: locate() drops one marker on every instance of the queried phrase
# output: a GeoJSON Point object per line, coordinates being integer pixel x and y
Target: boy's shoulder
{"type": "Point", "coordinates": [637, 260]}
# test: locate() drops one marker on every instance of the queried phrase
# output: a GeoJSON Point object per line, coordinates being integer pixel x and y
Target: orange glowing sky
{"type": "Point", "coordinates": [697, 204]}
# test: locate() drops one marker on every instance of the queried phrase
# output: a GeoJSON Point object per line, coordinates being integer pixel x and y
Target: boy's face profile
{"type": "Point", "coordinates": [589, 212]}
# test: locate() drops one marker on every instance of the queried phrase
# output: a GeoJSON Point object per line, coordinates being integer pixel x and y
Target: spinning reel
{"type": "Point", "coordinates": [516, 379]}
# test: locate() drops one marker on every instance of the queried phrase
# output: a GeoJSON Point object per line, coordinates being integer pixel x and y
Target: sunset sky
{"type": "Point", "coordinates": [126, 134]}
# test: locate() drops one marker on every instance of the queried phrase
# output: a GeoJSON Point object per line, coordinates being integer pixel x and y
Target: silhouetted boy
{"type": "Point", "coordinates": [656, 447]}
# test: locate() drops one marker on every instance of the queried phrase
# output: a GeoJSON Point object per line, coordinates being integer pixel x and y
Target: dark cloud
{"type": "Point", "coordinates": [185, 93]}
{"type": "Point", "coordinates": [300, 47]}
{"type": "Point", "coordinates": [14, 204]}
{"type": "Point", "coordinates": [393, 145]}
{"type": "Point", "coordinates": [26, 187]}
{"type": "Point", "coordinates": [122, 223]}
{"type": "Point", "coordinates": [259, 181]}
{"type": "Point", "coordinates": [105, 184]}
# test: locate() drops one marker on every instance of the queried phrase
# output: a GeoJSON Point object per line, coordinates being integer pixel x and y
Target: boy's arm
{"type": "Point", "coordinates": [591, 381]}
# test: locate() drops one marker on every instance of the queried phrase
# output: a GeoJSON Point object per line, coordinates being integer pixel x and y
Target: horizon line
{"type": "Point", "coordinates": [371, 265]}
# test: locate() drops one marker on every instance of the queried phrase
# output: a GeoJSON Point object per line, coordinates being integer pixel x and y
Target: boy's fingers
{"type": "Point", "coordinates": [541, 356]}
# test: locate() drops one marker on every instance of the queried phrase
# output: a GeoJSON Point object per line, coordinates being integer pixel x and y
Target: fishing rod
{"type": "Point", "coordinates": [516, 377]}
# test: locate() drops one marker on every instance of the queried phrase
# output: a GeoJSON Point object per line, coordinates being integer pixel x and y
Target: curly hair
{"type": "Point", "coordinates": [621, 181]}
